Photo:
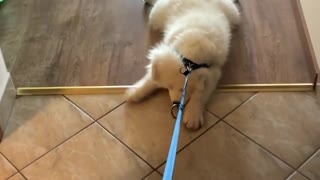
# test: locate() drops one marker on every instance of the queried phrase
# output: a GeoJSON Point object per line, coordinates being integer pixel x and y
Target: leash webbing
{"type": "Point", "coordinates": [171, 159]}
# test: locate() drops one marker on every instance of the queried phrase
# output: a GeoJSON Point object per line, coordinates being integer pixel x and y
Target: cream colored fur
{"type": "Point", "coordinates": [198, 29]}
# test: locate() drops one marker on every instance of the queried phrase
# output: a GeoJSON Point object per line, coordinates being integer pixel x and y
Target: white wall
{"type": "Point", "coordinates": [311, 11]}
{"type": "Point", "coordinates": [4, 75]}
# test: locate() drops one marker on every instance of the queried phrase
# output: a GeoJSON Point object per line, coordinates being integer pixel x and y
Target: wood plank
{"type": "Point", "coordinates": [104, 42]}
{"type": "Point", "coordinates": [267, 47]}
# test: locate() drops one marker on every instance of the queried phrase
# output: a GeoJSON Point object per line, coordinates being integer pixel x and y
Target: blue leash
{"type": "Point", "coordinates": [171, 159]}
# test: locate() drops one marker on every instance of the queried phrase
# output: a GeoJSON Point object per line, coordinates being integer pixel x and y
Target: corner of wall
{"type": "Point", "coordinates": [7, 95]}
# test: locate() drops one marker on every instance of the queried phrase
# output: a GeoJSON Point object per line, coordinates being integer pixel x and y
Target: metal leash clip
{"type": "Point", "coordinates": [174, 110]}
{"type": "Point", "coordinates": [185, 70]}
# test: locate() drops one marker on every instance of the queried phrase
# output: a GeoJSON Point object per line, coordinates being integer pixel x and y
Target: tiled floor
{"type": "Point", "coordinates": [263, 136]}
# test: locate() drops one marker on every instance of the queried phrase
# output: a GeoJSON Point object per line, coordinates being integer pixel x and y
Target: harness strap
{"type": "Point", "coordinates": [187, 63]}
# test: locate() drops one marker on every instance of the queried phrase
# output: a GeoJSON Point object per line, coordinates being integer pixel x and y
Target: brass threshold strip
{"type": "Point", "coordinates": [77, 90]}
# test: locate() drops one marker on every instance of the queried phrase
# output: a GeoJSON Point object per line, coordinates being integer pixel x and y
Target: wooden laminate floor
{"type": "Point", "coordinates": [104, 42]}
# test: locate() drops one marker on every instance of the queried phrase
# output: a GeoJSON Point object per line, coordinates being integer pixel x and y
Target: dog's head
{"type": "Point", "coordinates": [165, 68]}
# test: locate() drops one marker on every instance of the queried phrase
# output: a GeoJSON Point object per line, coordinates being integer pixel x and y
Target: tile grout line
{"type": "Point", "coordinates": [116, 107]}
{"type": "Point", "coordinates": [163, 163]}
{"type": "Point", "coordinates": [82, 110]}
{"type": "Point", "coordinates": [23, 175]}
{"type": "Point", "coordinates": [306, 160]}
{"type": "Point", "coordinates": [73, 103]}
{"type": "Point", "coordinates": [291, 175]}
{"type": "Point", "coordinates": [185, 146]}
{"type": "Point", "coordinates": [124, 144]}
{"type": "Point", "coordinates": [243, 103]}
{"type": "Point", "coordinates": [17, 170]}
{"type": "Point", "coordinates": [144, 177]}
{"type": "Point", "coordinates": [237, 107]}
{"type": "Point", "coordinates": [213, 114]}
{"type": "Point", "coordinates": [158, 172]}
{"type": "Point", "coordinates": [155, 171]}
{"type": "Point", "coordinates": [55, 147]}
{"type": "Point", "coordinates": [264, 148]}
{"type": "Point", "coordinates": [12, 175]}
{"type": "Point", "coordinates": [197, 137]}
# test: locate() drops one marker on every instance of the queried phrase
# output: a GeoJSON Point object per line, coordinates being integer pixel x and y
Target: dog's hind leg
{"type": "Point", "coordinates": [142, 89]}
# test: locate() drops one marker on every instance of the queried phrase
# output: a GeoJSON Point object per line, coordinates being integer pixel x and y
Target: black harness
{"type": "Point", "coordinates": [187, 63]}
{"type": "Point", "coordinates": [188, 66]}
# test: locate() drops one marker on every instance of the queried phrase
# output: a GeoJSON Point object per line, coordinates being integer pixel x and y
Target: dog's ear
{"type": "Point", "coordinates": [154, 56]}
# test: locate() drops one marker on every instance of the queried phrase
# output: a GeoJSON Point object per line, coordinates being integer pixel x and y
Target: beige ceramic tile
{"type": "Point", "coordinates": [17, 177]}
{"type": "Point", "coordinates": [312, 167]}
{"type": "Point", "coordinates": [287, 124]}
{"type": "Point", "coordinates": [38, 124]}
{"type": "Point", "coordinates": [97, 105]}
{"type": "Point", "coordinates": [6, 169]}
{"type": "Point", "coordinates": [223, 103]}
{"type": "Point", "coordinates": [147, 127]}
{"type": "Point", "coordinates": [297, 176]}
{"type": "Point", "coordinates": [222, 153]}
{"type": "Point", "coordinates": [91, 154]}
{"type": "Point", "coordinates": [153, 176]}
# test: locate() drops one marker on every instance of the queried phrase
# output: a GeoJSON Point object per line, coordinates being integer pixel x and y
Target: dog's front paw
{"type": "Point", "coordinates": [132, 95]}
{"type": "Point", "coordinates": [193, 119]}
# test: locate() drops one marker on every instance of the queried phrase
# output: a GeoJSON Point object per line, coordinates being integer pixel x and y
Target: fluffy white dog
{"type": "Point", "coordinates": [199, 30]}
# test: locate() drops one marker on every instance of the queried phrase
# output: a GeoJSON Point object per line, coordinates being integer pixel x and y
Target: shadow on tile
{"type": "Point", "coordinates": [91, 154]}
{"type": "Point", "coordinates": [38, 124]}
